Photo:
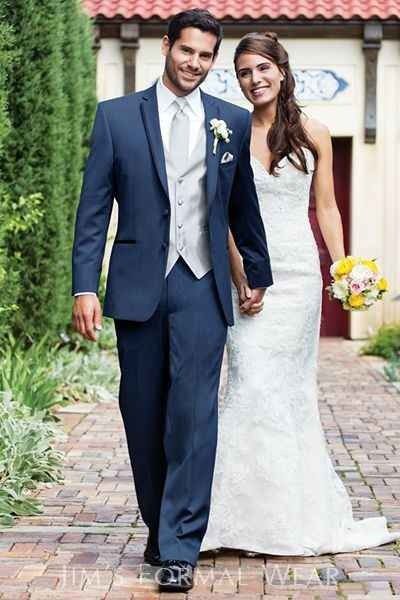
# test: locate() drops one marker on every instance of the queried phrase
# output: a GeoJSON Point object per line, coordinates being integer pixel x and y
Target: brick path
{"type": "Point", "coordinates": [88, 543]}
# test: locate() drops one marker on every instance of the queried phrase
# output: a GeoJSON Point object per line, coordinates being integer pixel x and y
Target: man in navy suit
{"type": "Point", "coordinates": [180, 184]}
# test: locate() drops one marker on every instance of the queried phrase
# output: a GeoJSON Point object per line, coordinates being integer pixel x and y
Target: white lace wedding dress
{"type": "Point", "coordinates": [275, 490]}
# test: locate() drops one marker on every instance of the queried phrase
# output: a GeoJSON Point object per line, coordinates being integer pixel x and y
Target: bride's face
{"type": "Point", "coordinates": [259, 78]}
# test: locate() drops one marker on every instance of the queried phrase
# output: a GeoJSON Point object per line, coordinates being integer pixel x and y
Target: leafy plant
{"type": "Point", "coordinates": [392, 370]}
{"type": "Point", "coordinates": [86, 376]}
{"type": "Point", "coordinates": [385, 343]}
{"type": "Point", "coordinates": [27, 373]}
{"type": "Point", "coordinates": [27, 458]}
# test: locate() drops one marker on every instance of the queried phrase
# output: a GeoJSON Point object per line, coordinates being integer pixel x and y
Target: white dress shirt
{"type": "Point", "coordinates": [167, 109]}
{"type": "Point", "coordinates": [166, 112]}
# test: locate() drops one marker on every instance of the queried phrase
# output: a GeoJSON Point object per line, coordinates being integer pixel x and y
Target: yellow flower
{"type": "Point", "coordinates": [371, 264]}
{"type": "Point", "coordinates": [356, 300]}
{"type": "Point", "coordinates": [344, 266]}
{"type": "Point", "coordinates": [383, 284]}
{"type": "Point", "coordinates": [353, 260]}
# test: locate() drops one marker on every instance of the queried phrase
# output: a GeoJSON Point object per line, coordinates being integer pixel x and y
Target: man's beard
{"type": "Point", "coordinates": [174, 79]}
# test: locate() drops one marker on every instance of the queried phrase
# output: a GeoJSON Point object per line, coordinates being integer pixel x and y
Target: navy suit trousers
{"type": "Point", "coordinates": [170, 371]}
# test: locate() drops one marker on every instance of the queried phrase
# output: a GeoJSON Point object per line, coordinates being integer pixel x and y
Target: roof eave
{"type": "Point", "coordinates": [317, 27]}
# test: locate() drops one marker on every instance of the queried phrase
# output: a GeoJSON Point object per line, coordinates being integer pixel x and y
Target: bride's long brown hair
{"type": "Point", "coordinates": [287, 135]}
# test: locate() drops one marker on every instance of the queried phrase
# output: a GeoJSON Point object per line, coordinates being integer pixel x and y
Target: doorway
{"type": "Point", "coordinates": [335, 320]}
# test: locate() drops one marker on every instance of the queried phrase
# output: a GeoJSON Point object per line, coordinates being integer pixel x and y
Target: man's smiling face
{"type": "Point", "coordinates": [188, 60]}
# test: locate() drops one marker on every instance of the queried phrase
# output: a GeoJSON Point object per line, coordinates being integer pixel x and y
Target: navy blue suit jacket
{"type": "Point", "coordinates": [126, 162]}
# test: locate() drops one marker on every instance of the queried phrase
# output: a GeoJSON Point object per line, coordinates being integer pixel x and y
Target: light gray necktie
{"type": "Point", "coordinates": [179, 137]}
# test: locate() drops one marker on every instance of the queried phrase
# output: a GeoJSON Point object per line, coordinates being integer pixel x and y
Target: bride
{"type": "Point", "coordinates": [275, 490]}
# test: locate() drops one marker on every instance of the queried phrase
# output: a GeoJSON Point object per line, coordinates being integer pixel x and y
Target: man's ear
{"type": "Point", "coordinates": [165, 45]}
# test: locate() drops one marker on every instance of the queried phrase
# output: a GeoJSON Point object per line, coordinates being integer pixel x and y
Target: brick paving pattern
{"type": "Point", "coordinates": [89, 541]}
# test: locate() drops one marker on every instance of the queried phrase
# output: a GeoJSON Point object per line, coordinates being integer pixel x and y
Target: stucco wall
{"type": "Point", "coordinates": [375, 211]}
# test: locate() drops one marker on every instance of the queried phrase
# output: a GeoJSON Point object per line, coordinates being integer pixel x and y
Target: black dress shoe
{"type": "Point", "coordinates": [176, 576]}
{"type": "Point", "coordinates": [151, 556]}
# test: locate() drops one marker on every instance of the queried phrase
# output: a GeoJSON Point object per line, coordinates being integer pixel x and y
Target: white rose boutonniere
{"type": "Point", "coordinates": [221, 132]}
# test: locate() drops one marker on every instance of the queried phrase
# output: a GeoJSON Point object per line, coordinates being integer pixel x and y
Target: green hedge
{"type": "Point", "coordinates": [51, 86]}
{"type": "Point", "coordinates": [7, 286]}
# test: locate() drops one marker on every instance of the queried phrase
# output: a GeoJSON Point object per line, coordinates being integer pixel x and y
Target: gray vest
{"type": "Point", "coordinates": [189, 236]}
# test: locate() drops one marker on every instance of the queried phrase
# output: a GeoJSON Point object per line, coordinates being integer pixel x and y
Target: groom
{"type": "Point", "coordinates": [179, 186]}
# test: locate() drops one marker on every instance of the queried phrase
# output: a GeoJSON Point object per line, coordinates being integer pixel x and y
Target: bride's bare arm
{"type": "Point", "coordinates": [328, 215]}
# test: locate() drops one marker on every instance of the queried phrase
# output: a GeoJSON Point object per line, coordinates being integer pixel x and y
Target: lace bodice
{"type": "Point", "coordinates": [284, 203]}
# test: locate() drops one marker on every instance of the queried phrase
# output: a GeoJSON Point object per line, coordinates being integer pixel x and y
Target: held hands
{"type": "Point", "coordinates": [250, 301]}
{"type": "Point", "coordinates": [87, 316]}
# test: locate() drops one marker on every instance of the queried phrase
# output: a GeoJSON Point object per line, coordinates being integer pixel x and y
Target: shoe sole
{"type": "Point", "coordinates": [174, 588]}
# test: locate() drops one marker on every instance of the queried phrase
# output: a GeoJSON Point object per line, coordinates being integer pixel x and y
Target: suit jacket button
{"type": "Point", "coordinates": [165, 245]}
{"type": "Point", "coordinates": [166, 212]}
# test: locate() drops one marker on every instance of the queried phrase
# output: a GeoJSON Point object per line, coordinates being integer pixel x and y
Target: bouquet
{"type": "Point", "coordinates": [357, 283]}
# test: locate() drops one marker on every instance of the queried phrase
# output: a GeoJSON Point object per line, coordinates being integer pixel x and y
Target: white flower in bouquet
{"type": "Point", "coordinates": [371, 296]}
{"type": "Point", "coordinates": [361, 273]}
{"type": "Point", "coordinates": [340, 289]}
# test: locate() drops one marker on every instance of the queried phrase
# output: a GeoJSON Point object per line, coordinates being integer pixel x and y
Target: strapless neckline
{"type": "Point", "coordinates": [285, 158]}
{"type": "Point", "coordinates": [258, 161]}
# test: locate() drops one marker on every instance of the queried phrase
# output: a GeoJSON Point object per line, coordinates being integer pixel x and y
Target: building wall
{"type": "Point", "coordinates": [375, 213]}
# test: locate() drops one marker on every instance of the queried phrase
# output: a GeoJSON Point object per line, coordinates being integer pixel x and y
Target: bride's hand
{"type": "Point", "coordinates": [245, 294]}
{"type": "Point", "coordinates": [256, 303]}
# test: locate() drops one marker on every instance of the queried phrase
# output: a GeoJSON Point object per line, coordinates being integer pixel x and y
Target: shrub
{"type": "Point", "coordinates": [82, 376]}
{"type": "Point", "coordinates": [27, 458]}
{"type": "Point", "coordinates": [392, 369]}
{"type": "Point", "coordinates": [79, 92]}
{"type": "Point", "coordinates": [385, 343]}
{"type": "Point", "coordinates": [43, 151]}
{"type": "Point", "coordinates": [32, 159]}
{"type": "Point", "coordinates": [27, 374]}
{"type": "Point", "coordinates": [19, 217]}
{"type": "Point", "coordinates": [7, 55]}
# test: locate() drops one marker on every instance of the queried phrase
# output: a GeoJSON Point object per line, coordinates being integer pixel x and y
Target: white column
{"type": "Point", "coordinates": [110, 70]}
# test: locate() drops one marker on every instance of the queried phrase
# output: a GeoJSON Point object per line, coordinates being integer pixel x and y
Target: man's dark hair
{"type": "Point", "coordinates": [196, 17]}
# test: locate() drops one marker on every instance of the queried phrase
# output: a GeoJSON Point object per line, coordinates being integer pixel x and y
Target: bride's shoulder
{"type": "Point", "coordinates": [314, 127]}
{"type": "Point", "coordinates": [318, 131]}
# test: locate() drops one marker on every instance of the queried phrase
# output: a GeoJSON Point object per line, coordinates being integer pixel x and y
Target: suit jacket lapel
{"type": "Point", "coordinates": [211, 110]}
{"type": "Point", "coordinates": [151, 121]}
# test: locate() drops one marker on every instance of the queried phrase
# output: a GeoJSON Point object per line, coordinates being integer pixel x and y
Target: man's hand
{"type": "Point", "coordinates": [87, 316]}
{"type": "Point", "coordinates": [253, 303]}
{"type": "Point", "coordinates": [242, 286]}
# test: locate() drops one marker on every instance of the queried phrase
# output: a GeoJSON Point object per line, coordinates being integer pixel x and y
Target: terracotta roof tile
{"type": "Point", "coordinates": [254, 9]}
